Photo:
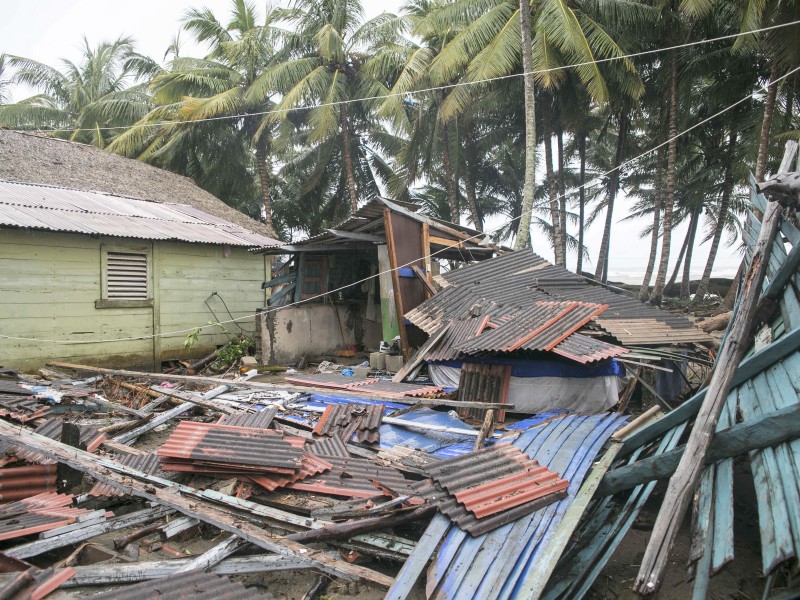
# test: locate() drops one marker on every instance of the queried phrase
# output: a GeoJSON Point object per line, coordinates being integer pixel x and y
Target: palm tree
{"type": "Point", "coordinates": [87, 101]}
{"type": "Point", "coordinates": [5, 83]}
{"type": "Point", "coordinates": [208, 102]}
{"type": "Point", "coordinates": [325, 72]}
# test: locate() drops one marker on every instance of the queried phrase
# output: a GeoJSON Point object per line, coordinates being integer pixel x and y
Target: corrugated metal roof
{"type": "Point", "coordinates": [89, 436]}
{"type": "Point", "coordinates": [519, 279]}
{"type": "Point", "coordinates": [458, 332]}
{"type": "Point", "coordinates": [192, 584]}
{"type": "Point", "coordinates": [42, 512]}
{"type": "Point", "coordinates": [311, 465]}
{"type": "Point", "coordinates": [49, 208]}
{"type": "Point", "coordinates": [17, 483]}
{"type": "Point", "coordinates": [585, 349]}
{"type": "Point", "coordinates": [233, 448]}
{"type": "Point", "coordinates": [539, 327]}
{"type": "Point", "coordinates": [260, 419]}
{"type": "Point", "coordinates": [350, 477]}
{"type": "Point", "coordinates": [483, 383]}
{"type": "Point", "coordinates": [329, 446]}
{"type": "Point", "coordinates": [344, 420]}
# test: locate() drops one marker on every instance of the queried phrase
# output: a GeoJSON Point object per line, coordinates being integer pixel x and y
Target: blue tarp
{"type": "Point", "coordinates": [430, 441]}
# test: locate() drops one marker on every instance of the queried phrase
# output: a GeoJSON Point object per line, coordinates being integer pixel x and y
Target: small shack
{"type": "Point", "coordinates": [109, 260]}
{"type": "Point", "coordinates": [341, 304]}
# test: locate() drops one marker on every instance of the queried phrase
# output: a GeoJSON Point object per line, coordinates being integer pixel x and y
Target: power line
{"type": "Point", "coordinates": [595, 182]}
{"type": "Point", "coordinates": [424, 90]}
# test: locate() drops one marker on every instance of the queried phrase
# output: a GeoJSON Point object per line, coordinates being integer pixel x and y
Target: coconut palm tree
{"type": "Point", "coordinates": [323, 88]}
{"type": "Point", "coordinates": [87, 101]}
{"type": "Point", "coordinates": [5, 83]}
{"type": "Point", "coordinates": [203, 103]}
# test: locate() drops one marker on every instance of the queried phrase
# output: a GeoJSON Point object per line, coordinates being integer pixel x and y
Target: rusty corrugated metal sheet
{"type": "Point", "coordinates": [51, 208]}
{"type": "Point", "coordinates": [351, 477]}
{"type": "Point", "coordinates": [260, 419]}
{"type": "Point", "coordinates": [147, 463]}
{"type": "Point", "coordinates": [389, 389]}
{"type": "Point", "coordinates": [584, 349]}
{"type": "Point", "coordinates": [311, 465]}
{"type": "Point", "coordinates": [540, 327]}
{"type": "Point", "coordinates": [89, 436]}
{"type": "Point", "coordinates": [333, 381]}
{"type": "Point", "coordinates": [483, 490]}
{"type": "Point", "coordinates": [345, 420]}
{"type": "Point", "coordinates": [17, 483]}
{"type": "Point", "coordinates": [458, 332]}
{"type": "Point", "coordinates": [233, 448]}
{"type": "Point", "coordinates": [42, 512]}
{"type": "Point", "coordinates": [483, 383]}
{"type": "Point", "coordinates": [22, 409]}
{"type": "Point", "coordinates": [329, 446]}
{"type": "Point", "coordinates": [182, 586]}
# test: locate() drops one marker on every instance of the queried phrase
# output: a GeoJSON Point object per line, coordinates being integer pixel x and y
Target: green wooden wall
{"type": "Point", "coordinates": [49, 283]}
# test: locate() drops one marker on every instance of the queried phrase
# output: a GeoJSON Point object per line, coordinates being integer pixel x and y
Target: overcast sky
{"type": "Point", "coordinates": [48, 30]}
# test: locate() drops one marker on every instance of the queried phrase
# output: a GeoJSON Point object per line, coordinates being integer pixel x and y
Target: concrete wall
{"type": "Point", "coordinates": [50, 282]}
{"type": "Point", "coordinates": [313, 330]}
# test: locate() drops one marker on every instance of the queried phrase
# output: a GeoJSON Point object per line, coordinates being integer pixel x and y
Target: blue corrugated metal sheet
{"type": "Point", "coordinates": [51, 208]}
{"type": "Point", "coordinates": [494, 565]}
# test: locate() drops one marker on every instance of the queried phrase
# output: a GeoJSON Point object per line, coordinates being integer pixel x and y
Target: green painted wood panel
{"type": "Point", "coordinates": [49, 283]}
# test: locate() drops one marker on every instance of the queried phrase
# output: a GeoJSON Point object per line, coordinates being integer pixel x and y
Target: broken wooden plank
{"type": "Point", "coordinates": [105, 574]}
{"type": "Point", "coordinates": [420, 354]}
{"type": "Point", "coordinates": [215, 555]}
{"type": "Point", "coordinates": [413, 567]}
{"type": "Point", "coordinates": [195, 398]}
{"type": "Point", "coordinates": [345, 531]}
{"type": "Point", "coordinates": [684, 482]}
{"type": "Point", "coordinates": [424, 279]}
{"type": "Point", "coordinates": [185, 500]}
{"type": "Point", "coordinates": [176, 526]}
{"type": "Point", "coordinates": [131, 436]}
{"type": "Point", "coordinates": [780, 426]}
{"type": "Point", "coordinates": [79, 535]}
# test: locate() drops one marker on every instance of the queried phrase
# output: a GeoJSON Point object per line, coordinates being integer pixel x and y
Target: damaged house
{"type": "Point", "coordinates": [332, 274]}
{"type": "Point", "coordinates": [107, 258]}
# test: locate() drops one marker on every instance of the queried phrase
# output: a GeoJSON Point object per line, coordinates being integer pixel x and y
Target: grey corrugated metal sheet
{"type": "Point", "coordinates": [519, 279]}
{"type": "Point", "coordinates": [350, 477]}
{"type": "Point", "coordinates": [192, 584]}
{"type": "Point", "coordinates": [260, 419]}
{"type": "Point", "coordinates": [31, 206]}
{"type": "Point", "coordinates": [458, 332]}
{"type": "Point", "coordinates": [584, 349]}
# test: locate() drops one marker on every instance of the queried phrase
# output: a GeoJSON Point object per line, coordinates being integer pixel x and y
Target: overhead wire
{"type": "Point", "coordinates": [594, 182]}
{"type": "Point", "coordinates": [425, 90]}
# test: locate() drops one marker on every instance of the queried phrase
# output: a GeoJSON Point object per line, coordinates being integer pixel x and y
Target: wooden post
{"type": "Point", "coordinates": [684, 482]}
{"type": "Point", "coordinates": [488, 424]}
{"type": "Point", "coordinates": [398, 299]}
{"type": "Point", "coordinates": [426, 251]}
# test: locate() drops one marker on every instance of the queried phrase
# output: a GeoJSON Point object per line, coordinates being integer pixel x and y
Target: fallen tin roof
{"type": "Point", "coordinates": [33, 206]}
{"type": "Point", "coordinates": [350, 477]}
{"type": "Point", "coordinates": [191, 584]}
{"type": "Point", "coordinates": [493, 565]}
{"type": "Point", "coordinates": [89, 436]}
{"type": "Point", "coordinates": [42, 512]}
{"type": "Point", "coordinates": [519, 279]}
{"type": "Point", "coordinates": [17, 483]}
{"type": "Point", "coordinates": [234, 448]}
{"type": "Point", "coordinates": [147, 463]}
{"type": "Point", "coordinates": [345, 420]}
{"type": "Point", "coordinates": [260, 419]}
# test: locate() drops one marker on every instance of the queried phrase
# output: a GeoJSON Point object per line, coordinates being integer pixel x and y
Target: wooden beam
{"type": "Point", "coordinates": [419, 355]}
{"type": "Point", "coordinates": [194, 398]}
{"type": "Point", "coordinates": [431, 291]}
{"type": "Point", "coordinates": [439, 241]}
{"type": "Point", "coordinates": [281, 293]}
{"type": "Point", "coordinates": [37, 547]}
{"type": "Point", "coordinates": [362, 237]}
{"type": "Point", "coordinates": [426, 251]}
{"type": "Point", "coordinates": [105, 574]}
{"type": "Point", "coordinates": [279, 280]}
{"type": "Point", "coordinates": [215, 555]}
{"type": "Point", "coordinates": [683, 483]}
{"type": "Point", "coordinates": [186, 500]}
{"type": "Point", "coordinates": [398, 298]}
{"type": "Point", "coordinates": [772, 429]}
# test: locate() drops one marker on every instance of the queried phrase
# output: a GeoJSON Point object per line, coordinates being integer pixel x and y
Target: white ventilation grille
{"type": "Point", "coordinates": [127, 276]}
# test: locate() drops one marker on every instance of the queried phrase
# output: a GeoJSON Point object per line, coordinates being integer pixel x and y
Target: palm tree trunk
{"type": "Point", "coordinates": [669, 200]}
{"type": "Point", "coordinates": [687, 263]}
{"type": "Point", "coordinates": [529, 187]}
{"type": "Point", "coordinates": [727, 190]}
{"type": "Point", "coordinates": [348, 160]}
{"type": "Point", "coordinates": [551, 183]}
{"type": "Point", "coordinates": [581, 199]}
{"type": "Point", "coordinates": [601, 272]}
{"type": "Point", "coordinates": [469, 182]}
{"type": "Point", "coordinates": [668, 289]}
{"type": "Point", "coordinates": [262, 157]}
{"type": "Point", "coordinates": [449, 181]}
{"type": "Point", "coordinates": [766, 124]}
{"type": "Point", "coordinates": [562, 192]}
{"type": "Point", "coordinates": [644, 291]}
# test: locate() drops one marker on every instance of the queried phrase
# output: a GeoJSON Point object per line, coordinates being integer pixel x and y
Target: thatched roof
{"type": "Point", "coordinates": [31, 158]}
